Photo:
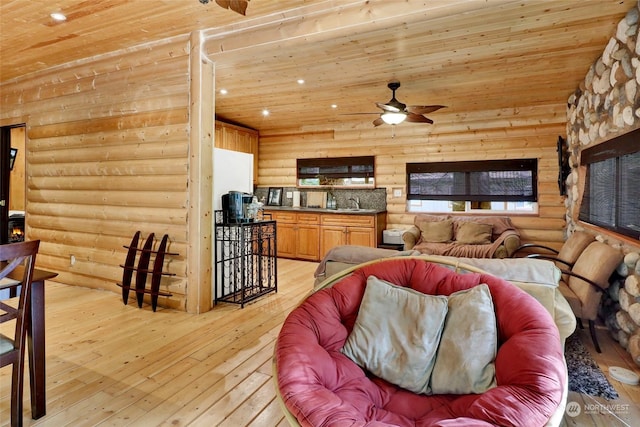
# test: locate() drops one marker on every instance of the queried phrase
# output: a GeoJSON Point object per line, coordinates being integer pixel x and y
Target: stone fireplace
{"type": "Point", "coordinates": [606, 105]}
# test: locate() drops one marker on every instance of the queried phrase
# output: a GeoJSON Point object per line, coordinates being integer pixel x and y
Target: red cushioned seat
{"type": "Point", "coordinates": [322, 387]}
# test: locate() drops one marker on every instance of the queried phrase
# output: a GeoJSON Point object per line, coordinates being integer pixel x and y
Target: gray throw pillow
{"type": "Point", "coordinates": [396, 334]}
{"type": "Point", "coordinates": [465, 362]}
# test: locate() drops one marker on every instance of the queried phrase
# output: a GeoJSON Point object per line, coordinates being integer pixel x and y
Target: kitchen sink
{"type": "Point", "coordinates": [355, 210]}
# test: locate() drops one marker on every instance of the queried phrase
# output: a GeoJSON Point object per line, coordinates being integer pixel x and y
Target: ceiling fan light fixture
{"type": "Point", "coordinates": [393, 118]}
{"type": "Point", "coordinates": [58, 16]}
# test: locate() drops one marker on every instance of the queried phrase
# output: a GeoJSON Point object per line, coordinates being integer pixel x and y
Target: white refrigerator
{"type": "Point", "coordinates": [232, 171]}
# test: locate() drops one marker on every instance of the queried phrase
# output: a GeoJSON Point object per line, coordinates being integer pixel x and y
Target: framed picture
{"type": "Point", "coordinates": [275, 196]}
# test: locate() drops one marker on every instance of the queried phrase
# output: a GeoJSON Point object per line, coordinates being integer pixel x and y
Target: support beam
{"type": "Point", "coordinates": [200, 216]}
{"type": "Point", "coordinates": [330, 19]}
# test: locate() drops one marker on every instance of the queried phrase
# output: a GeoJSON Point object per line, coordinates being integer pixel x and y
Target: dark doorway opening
{"type": "Point", "coordinates": [11, 230]}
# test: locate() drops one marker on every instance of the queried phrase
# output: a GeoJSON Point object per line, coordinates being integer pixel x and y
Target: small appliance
{"type": "Point", "coordinates": [392, 236]}
{"type": "Point", "coordinates": [235, 205]}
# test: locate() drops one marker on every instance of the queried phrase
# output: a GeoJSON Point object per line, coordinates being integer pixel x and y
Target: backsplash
{"type": "Point", "coordinates": [369, 199]}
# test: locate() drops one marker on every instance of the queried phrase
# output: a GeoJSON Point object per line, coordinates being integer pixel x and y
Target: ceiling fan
{"type": "Point", "coordinates": [395, 112]}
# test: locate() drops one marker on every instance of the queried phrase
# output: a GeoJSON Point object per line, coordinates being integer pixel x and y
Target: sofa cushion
{"type": "Point", "coordinates": [468, 346]}
{"type": "Point", "coordinates": [500, 224]}
{"type": "Point", "coordinates": [473, 233]}
{"type": "Point", "coordinates": [436, 231]}
{"type": "Point", "coordinates": [396, 334]}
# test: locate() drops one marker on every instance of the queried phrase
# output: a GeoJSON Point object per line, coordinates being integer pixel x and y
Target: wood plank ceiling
{"type": "Point", "coordinates": [469, 55]}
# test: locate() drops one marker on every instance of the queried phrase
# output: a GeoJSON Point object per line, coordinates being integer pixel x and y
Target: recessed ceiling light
{"type": "Point", "coordinates": [223, 92]}
{"type": "Point", "coordinates": [300, 81]}
{"type": "Point", "coordinates": [334, 106]}
{"type": "Point", "coordinates": [58, 16]}
{"type": "Point", "coordinates": [265, 112]}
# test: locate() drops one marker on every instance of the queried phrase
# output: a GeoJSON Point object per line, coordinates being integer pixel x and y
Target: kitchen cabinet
{"type": "Point", "coordinates": [298, 234]}
{"type": "Point", "coordinates": [310, 235]}
{"type": "Point", "coordinates": [238, 138]}
{"type": "Point", "coordinates": [340, 229]}
{"type": "Point", "coordinates": [335, 236]}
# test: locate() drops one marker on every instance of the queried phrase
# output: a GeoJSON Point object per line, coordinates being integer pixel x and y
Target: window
{"type": "Point", "coordinates": [611, 197]}
{"type": "Point", "coordinates": [336, 172]}
{"type": "Point", "coordinates": [493, 185]}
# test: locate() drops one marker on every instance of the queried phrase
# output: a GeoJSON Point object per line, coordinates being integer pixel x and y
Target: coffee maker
{"type": "Point", "coordinates": [235, 205]}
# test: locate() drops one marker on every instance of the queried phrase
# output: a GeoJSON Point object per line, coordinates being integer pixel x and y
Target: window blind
{"type": "Point", "coordinates": [494, 180]}
{"type": "Point", "coordinates": [611, 197]}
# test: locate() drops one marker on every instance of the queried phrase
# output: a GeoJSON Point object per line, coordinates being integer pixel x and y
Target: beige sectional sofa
{"type": "Point", "coordinates": [539, 278]}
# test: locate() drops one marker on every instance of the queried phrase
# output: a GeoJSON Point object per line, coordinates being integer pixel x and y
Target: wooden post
{"type": "Point", "coordinates": [201, 130]}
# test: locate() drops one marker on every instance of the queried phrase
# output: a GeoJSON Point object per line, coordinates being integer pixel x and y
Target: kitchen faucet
{"type": "Point", "coordinates": [356, 201]}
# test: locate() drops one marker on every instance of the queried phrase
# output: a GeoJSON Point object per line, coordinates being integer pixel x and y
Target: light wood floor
{"type": "Point", "coordinates": [113, 365]}
{"type": "Point", "coordinates": [599, 412]}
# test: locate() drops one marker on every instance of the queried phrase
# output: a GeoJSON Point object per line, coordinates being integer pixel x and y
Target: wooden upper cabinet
{"type": "Point", "coordinates": [238, 138]}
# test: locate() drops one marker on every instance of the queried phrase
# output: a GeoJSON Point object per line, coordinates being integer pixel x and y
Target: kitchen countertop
{"type": "Point", "coordinates": [348, 211]}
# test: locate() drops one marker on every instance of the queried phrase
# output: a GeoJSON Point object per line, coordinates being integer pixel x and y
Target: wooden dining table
{"type": "Point", "coordinates": [35, 337]}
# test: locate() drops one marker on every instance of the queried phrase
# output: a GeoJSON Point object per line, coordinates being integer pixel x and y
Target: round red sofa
{"type": "Point", "coordinates": [320, 386]}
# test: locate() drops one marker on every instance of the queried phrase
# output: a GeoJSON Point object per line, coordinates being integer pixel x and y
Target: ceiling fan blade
{"type": "Point", "coordinates": [418, 118]}
{"type": "Point", "coordinates": [386, 107]}
{"type": "Point", "coordinates": [378, 122]}
{"type": "Point", "coordinates": [424, 109]}
{"type": "Point", "coordinates": [239, 6]}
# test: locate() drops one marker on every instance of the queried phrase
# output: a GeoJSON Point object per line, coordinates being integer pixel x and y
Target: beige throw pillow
{"type": "Point", "coordinates": [465, 362]}
{"type": "Point", "coordinates": [473, 233]}
{"type": "Point", "coordinates": [396, 334]}
{"type": "Point", "coordinates": [437, 231]}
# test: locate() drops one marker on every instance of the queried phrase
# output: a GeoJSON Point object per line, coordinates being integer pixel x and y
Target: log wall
{"type": "Point", "coordinates": [506, 134]}
{"type": "Point", "coordinates": [106, 154]}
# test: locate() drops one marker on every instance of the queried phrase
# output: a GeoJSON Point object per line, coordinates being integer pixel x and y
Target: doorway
{"type": "Point", "coordinates": [12, 183]}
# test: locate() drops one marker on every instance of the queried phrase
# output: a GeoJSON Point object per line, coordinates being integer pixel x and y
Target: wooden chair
{"type": "Point", "coordinates": [20, 257]}
{"type": "Point", "coordinates": [586, 281]}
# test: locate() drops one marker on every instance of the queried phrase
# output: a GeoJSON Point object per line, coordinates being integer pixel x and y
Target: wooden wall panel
{"type": "Point", "coordinates": [107, 155]}
{"type": "Point", "coordinates": [522, 133]}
